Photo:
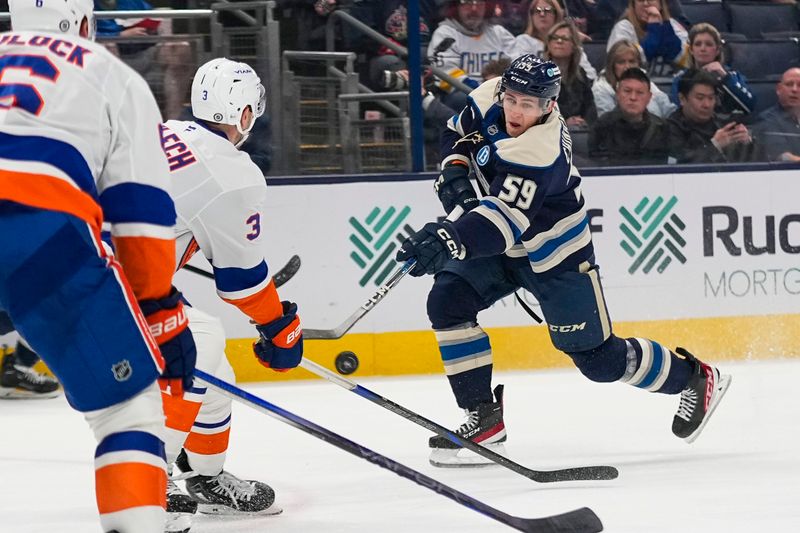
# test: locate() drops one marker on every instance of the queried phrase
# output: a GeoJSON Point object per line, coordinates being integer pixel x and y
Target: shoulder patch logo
{"type": "Point", "coordinates": [483, 156]}
{"type": "Point", "coordinates": [473, 137]}
{"type": "Point", "coordinates": [492, 129]}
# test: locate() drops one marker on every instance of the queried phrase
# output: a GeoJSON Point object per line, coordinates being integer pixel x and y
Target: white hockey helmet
{"type": "Point", "coordinates": [57, 16]}
{"type": "Point", "coordinates": [222, 89]}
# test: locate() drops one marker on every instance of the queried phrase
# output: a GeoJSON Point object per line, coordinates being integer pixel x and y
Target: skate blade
{"type": "Point", "coordinates": [7, 393]}
{"type": "Point", "coordinates": [722, 388]}
{"type": "Point", "coordinates": [452, 458]}
{"type": "Point", "coordinates": [217, 509]}
{"type": "Point", "coordinates": [178, 523]}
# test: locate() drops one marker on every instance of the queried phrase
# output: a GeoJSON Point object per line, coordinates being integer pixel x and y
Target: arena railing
{"type": "Point", "coordinates": [256, 40]}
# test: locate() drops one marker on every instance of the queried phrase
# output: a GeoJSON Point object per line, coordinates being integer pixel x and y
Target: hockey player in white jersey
{"type": "Point", "coordinates": [219, 196]}
{"type": "Point", "coordinates": [79, 145]}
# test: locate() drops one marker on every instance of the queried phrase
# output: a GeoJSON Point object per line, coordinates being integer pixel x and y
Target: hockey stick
{"type": "Point", "coordinates": [366, 307]}
{"type": "Point", "coordinates": [540, 476]}
{"type": "Point", "coordinates": [281, 276]}
{"type": "Point", "coordinates": [582, 520]}
{"type": "Point", "coordinates": [339, 331]}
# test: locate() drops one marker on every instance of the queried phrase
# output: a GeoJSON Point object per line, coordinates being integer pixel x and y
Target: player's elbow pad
{"type": "Point", "coordinates": [454, 188]}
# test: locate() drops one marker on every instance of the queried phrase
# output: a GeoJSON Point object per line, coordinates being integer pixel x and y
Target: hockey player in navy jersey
{"type": "Point", "coordinates": [529, 230]}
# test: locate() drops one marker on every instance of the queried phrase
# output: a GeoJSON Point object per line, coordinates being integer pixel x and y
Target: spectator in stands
{"type": "Point", "coordinates": [662, 39]}
{"type": "Point", "coordinates": [392, 17]}
{"type": "Point", "coordinates": [495, 69]}
{"type": "Point", "coordinates": [705, 52]}
{"type": "Point", "coordinates": [696, 133]}
{"type": "Point", "coordinates": [167, 66]}
{"type": "Point", "coordinates": [581, 13]}
{"type": "Point", "coordinates": [575, 101]}
{"type": "Point", "coordinates": [542, 16]}
{"type": "Point", "coordinates": [630, 134]}
{"type": "Point", "coordinates": [475, 42]}
{"type": "Point", "coordinates": [779, 126]}
{"type": "Point", "coordinates": [622, 56]}
{"type": "Point", "coordinates": [608, 12]}
{"type": "Point", "coordinates": [512, 15]}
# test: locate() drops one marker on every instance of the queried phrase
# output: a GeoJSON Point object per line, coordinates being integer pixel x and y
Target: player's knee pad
{"type": "Point", "coordinates": [604, 363]}
{"type": "Point", "coordinates": [209, 337]}
{"type": "Point", "coordinates": [452, 301]}
{"type": "Point", "coordinates": [142, 412]}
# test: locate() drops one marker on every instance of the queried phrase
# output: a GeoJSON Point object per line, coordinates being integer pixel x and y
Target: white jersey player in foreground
{"type": "Point", "coordinates": [79, 144]}
{"type": "Point", "coordinates": [219, 197]}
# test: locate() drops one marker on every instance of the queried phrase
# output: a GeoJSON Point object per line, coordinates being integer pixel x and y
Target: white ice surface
{"type": "Point", "coordinates": [742, 475]}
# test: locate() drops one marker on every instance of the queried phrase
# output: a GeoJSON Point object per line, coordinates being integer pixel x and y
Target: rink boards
{"type": "Point", "coordinates": [708, 261]}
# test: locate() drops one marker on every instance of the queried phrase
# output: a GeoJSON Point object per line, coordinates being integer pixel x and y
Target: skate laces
{"type": "Point", "coordinates": [31, 375]}
{"type": "Point", "coordinates": [471, 423]}
{"type": "Point", "coordinates": [173, 488]}
{"type": "Point", "coordinates": [236, 489]}
{"type": "Point", "coordinates": [177, 477]}
{"type": "Point", "coordinates": [687, 405]}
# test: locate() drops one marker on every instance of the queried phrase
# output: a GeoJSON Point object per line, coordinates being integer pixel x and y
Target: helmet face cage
{"type": "Point", "coordinates": [532, 76]}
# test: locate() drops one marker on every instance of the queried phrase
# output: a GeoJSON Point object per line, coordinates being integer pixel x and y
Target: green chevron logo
{"type": "Point", "coordinates": [652, 235]}
{"type": "Point", "coordinates": [374, 248]}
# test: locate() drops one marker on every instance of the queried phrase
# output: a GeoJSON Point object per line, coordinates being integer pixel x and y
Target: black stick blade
{"type": "Point", "coordinates": [582, 520]}
{"type": "Point", "coordinates": [288, 271]}
{"type": "Point", "coordinates": [581, 473]}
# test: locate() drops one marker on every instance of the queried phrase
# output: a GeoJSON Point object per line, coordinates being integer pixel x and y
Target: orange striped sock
{"type": "Point", "coordinates": [130, 472]}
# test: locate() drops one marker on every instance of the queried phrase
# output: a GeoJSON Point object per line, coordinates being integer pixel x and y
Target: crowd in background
{"type": "Point", "coordinates": [664, 93]}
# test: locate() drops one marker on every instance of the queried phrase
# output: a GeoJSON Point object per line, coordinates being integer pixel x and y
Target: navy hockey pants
{"type": "Point", "coordinates": [74, 307]}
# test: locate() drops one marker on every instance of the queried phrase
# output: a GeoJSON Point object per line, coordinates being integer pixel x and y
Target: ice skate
{"type": "Point", "coordinates": [699, 399]}
{"type": "Point", "coordinates": [21, 382]}
{"type": "Point", "coordinates": [484, 426]}
{"type": "Point", "coordinates": [227, 494]}
{"type": "Point", "coordinates": [180, 508]}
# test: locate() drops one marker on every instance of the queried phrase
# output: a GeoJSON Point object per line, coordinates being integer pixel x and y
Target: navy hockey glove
{"type": "Point", "coordinates": [281, 344]}
{"type": "Point", "coordinates": [432, 246]}
{"type": "Point", "coordinates": [454, 188]}
{"type": "Point", "coordinates": [169, 327]}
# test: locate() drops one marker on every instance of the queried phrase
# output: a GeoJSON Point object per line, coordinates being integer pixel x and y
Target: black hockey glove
{"type": "Point", "coordinates": [169, 326]}
{"type": "Point", "coordinates": [454, 188]}
{"type": "Point", "coordinates": [432, 246]}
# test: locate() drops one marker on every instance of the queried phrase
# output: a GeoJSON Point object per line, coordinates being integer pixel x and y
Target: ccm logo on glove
{"type": "Point", "coordinates": [455, 251]}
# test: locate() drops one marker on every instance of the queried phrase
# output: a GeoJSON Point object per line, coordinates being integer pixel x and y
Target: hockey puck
{"type": "Point", "coordinates": [346, 363]}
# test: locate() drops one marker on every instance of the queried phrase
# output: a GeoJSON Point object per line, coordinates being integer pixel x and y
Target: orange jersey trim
{"type": "Point", "coordinates": [127, 485]}
{"type": "Point", "coordinates": [149, 265]}
{"type": "Point", "coordinates": [263, 306]}
{"type": "Point", "coordinates": [51, 193]}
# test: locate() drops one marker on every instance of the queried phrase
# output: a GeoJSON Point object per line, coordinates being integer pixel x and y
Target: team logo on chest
{"type": "Point", "coordinates": [483, 155]}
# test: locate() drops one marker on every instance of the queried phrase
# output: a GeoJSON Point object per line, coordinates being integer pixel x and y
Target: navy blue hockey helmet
{"type": "Point", "coordinates": [533, 76]}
